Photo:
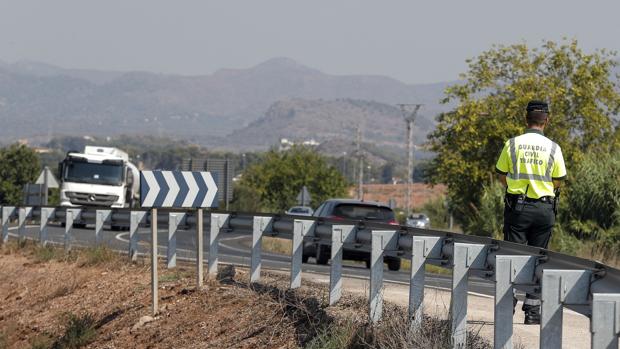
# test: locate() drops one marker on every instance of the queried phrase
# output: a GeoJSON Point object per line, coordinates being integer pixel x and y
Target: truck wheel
{"type": "Point", "coordinates": [394, 264]}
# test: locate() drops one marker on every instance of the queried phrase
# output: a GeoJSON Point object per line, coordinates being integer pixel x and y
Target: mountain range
{"type": "Point", "coordinates": [230, 109]}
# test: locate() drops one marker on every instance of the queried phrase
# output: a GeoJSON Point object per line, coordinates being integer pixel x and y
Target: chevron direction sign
{"type": "Point", "coordinates": [177, 189]}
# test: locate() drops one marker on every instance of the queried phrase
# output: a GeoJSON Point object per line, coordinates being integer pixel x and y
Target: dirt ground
{"type": "Point", "coordinates": [420, 193]}
{"type": "Point", "coordinates": [37, 297]}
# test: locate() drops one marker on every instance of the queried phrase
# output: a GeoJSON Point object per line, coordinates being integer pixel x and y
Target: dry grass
{"type": "Point", "coordinates": [405, 264]}
{"type": "Point", "coordinates": [66, 288]}
{"type": "Point", "coordinates": [393, 332]}
{"type": "Point", "coordinates": [607, 254]}
{"type": "Point", "coordinates": [277, 245]}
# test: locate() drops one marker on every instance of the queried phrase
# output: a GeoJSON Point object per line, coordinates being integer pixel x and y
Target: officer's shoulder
{"type": "Point", "coordinates": [552, 142]}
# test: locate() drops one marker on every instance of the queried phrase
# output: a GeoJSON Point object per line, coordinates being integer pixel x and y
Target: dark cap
{"type": "Point", "coordinates": [537, 106]}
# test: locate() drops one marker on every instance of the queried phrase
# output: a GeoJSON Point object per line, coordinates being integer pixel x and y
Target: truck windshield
{"type": "Point", "coordinates": [87, 172]}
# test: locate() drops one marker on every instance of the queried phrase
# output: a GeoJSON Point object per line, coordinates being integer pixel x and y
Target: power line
{"type": "Point", "coordinates": [410, 112]}
{"type": "Point", "coordinates": [360, 162]}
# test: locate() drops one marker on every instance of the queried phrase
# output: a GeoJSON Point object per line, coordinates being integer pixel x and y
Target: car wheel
{"type": "Point", "coordinates": [367, 263]}
{"type": "Point", "coordinates": [394, 264]}
{"type": "Point", "coordinates": [304, 258]}
{"type": "Point", "coordinates": [322, 256]}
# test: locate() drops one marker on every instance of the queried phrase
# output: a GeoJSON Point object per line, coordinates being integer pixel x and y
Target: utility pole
{"type": "Point", "coordinates": [360, 162]}
{"type": "Point", "coordinates": [410, 112]}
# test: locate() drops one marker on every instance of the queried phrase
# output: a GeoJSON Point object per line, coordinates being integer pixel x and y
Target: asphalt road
{"type": "Point", "coordinates": [233, 249]}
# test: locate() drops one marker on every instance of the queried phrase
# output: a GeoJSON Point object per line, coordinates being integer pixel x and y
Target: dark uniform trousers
{"type": "Point", "coordinates": [531, 225]}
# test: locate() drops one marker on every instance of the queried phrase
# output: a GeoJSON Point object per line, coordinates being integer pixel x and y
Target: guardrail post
{"type": "Point", "coordinates": [560, 287]}
{"type": "Point", "coordinates": [218, 220]}
{"type": "Point", "coordinates": [341, 234]}
{"type": "Point", "coordinates": [509, 270]}
{"type": "Point", "coordinates": [7, 213]}
{"type": "Point", "coordinates": [199, 247]}
{"type": "Point", "coordinates": [46, 215]}
{"type": "Point", "coordinates": [71, 214]}
{"type": "Point", "coordinates": [101, 217]}
{"type": "Point", "coordinates": [301, 228]}
{"type": "Point", "coordinates": [464, 257]}
{"type": "Point", "coordinates": [174, 220]}
{"type": "Point", "coordinates": [23, 214]}
{"type": "Point", "coordinates": [259, 226]}
{"type": "Point", "coordinates": [605, 323]}
{"type": "Point", "coordinates": [135, 218]}
{"type": "Point", "coordinates": [423, 248]}
{"type": "Point", "coordinates": [381, 240]}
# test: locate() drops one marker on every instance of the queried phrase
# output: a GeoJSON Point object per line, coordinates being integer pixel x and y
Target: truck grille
{"type": "Point", "coordinates": [91, 199]}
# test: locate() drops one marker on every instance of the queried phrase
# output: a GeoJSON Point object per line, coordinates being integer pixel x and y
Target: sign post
{"type": "Point", "coordinates": [47, 179]}
{"type": "Point", "coordinates": [175, 189]}
{"type": "Point", "coordinates": [303, 198]}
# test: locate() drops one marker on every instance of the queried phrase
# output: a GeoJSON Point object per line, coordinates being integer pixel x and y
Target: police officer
{"type": "Point", "coordinates": [532, 168]}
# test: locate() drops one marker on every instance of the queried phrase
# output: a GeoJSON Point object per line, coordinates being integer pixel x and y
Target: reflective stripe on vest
{"type": "Point", "coordinates": [515, 175]}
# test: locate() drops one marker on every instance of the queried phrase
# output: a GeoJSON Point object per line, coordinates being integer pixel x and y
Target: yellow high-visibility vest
{"type": "Point", "coordinates": [531, 162]}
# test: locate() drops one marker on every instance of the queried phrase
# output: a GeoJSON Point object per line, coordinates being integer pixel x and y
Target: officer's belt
{"type": "Point", "coordinates": [546, 199]}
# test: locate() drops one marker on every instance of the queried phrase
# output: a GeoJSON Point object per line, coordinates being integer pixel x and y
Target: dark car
{"type": "Point", "coordinates": [353, 210]}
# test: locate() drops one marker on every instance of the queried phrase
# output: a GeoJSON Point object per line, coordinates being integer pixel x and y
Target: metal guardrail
{"type": "Point", "coordinates": [585, 286]}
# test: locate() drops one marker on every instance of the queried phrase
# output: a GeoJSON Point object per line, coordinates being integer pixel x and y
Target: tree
{"type": "Point", "coordinates": [490, 103]}
{"type": "Point", "coordinates": [278, 178]}
{"type": "Point", "coordinates": [19, 165]}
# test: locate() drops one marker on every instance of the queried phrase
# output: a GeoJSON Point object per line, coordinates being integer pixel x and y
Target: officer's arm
{"type": "Point", "coordinates": [503, 165]}
{"type": "Point", "coordinates": [559, 169]}
{"type": "Point", "coordinates": [502, 179]}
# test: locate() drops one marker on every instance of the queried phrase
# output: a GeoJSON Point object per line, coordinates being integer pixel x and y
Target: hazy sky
{"type": "Point", "coordinates": [413, 41]}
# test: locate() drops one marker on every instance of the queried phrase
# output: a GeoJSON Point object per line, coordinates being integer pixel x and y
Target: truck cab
{"type": "Point", "coordinates": [100, 176]}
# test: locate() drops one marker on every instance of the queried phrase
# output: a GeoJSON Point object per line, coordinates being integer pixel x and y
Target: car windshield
{"type": "Point", "coordinates": [357, 211]}
{"type": "Point", "coordinates": [86, 172]}
{"type": "Point", "coordinates": [299, 210]}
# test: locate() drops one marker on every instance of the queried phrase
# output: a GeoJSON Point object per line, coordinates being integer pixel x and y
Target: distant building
{"type": "Point", "coordinates": [286, 144]}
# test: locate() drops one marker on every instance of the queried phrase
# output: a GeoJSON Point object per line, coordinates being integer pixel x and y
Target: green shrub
{"type": "Point", "coordinates": [594, 195]}
{"type": "Point", "coordinates": [489, 216]}
{"type": "Point", "coordinates": [437, 212]}
{"type": "Point", "coordinates": [79, 331]}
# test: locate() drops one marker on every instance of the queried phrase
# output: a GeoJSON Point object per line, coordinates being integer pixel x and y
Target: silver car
{"type": "Point", "coordinates": [418, 220]}
{"type": "Point", "coordinates": [300, 211]}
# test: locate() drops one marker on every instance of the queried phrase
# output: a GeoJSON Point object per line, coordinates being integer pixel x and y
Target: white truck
{"type": "Point", "coordinates": [100, 176]}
